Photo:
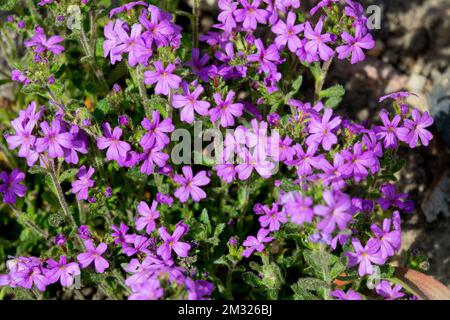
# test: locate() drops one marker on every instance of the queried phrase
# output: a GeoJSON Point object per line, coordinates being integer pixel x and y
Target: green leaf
{"type": "Point", "coordinates": [251, 279]}
{"type": "Point", "coordinates": [333, 102]}
{"type": "Point", "coordinates": [305, 288]}
{"type": "Point", "coordinates": [204, 218]}
{"type": "Point", "coordinates": [67, 175]}
{"type": "Point", "coordinates": [8, 5]}
{"type": "Point", "coordinates": [334, 91]}
{"type": "Point", "coordinates": [297, 84]}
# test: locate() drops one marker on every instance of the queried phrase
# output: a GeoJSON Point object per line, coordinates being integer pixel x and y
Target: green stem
{"type": "Point", "coordinates": [229, 284]}
{"type": "Point", "coordinates": [320, 82]}
{"type": "Point", "coordinates": [60, 195]}
{"type": "Point", "coordinates": [195, 22]}
{"type": "Point", "coordinates": [29, 223]}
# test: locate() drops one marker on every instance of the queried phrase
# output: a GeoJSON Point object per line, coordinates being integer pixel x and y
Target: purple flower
{"type": "Point", "coordinates": [365, 256]}
{"type": "Point", "coordinates": [31, 273]}
{"type": "Point", "coordinates": [416, 129]}
{"type": "Point", "coordinates": [274, 119]}
{"type": "Point", "coordinates": [117, 150]}
{"type": "Point", "coordinates": [256, 243]}
{"type": "Point", "coordinates": [18, 76]}
{"type": "Point", "coordinates": [199, 289]}
{"type": "Point", "coordinates": [147, 216]}
{"type": "Point", "coordinates": [164, 199]}
{"type": "Point", "coordinates": [317, 41]}
{"type": "Point", "coordinates": [171, 242]}
{"type": "Point", "coordinates": [126, 7]}
{"type": "Point", "coordinates": [389, 132]}
{"type": "Point", "coordinates": [139, 245]}
{"type": "Point", "coordinates": [198, 65]}
{"type": "Point", "coordinates": [250, 14]}
{"type": "Point", "coordinates": [287, 33]}
{"type": "Point", "coordinates": [41, 43]}
{"type": "Point", "coordinates": [390, 197]}
{"type": "Point", "coordinates": [83, 232]}
{"type": "Point", "coordinates": [60, 240]}
{"type": "Point", "coordinates": [266, 58]}
{"type": "Point", "coordinates": [81, 186]}
{"type": "Point", "coordinates": [298, 208]}
{"type": "Point", "coordinates": [119, 233]}
{"type": "Point", "coordinates": [190, 185]}
{"type": "Point", "coordinates": [357, 162]}
{"type": "Point", "coordinates": [385, 289]}
{"type": "Point", "coordinates": [272, 218]}
{"type": "Point", "coordinates": [123, 120]}
{"type": "Point", "coordinates": [111, 45]}
{"type": "Point", "coordinates": [225, 110]}
{"type": "Point", "coordinates": [189, 102]}
{"type": "Point", "coordinates": [305, 161]}
{"type": "Point", "coordinates": [322, 131]}
{"type": "Point", "coordinates": [163, 77]}
{"type": "Point", "coordinates": [349, 295]}
{"type": "Point", "coordinates": [226, 15]}
{"type": "Point", "coordinates": [54, 139]}
{"type": "Point", "coordinates": [156, 131]}
{"type": "Point", "coordinates": [23, 137]}
{"type": "Point", "coordinates": [337, 211]}
{"type": "Point", "coordinates": [254, 161]}
{"type": "Point", "coordinates": [93, 254]}
{"type": "Point", "coordinates": [397, 96]}
{"type": "Point", "coordinates": [354, 45]}
{"type": "Point", "coordinates": [226, 172]}
{"type": "Point", "coordinates": [62, 271]}
{"type": "Point", "coordinates": [12, 186]}
{"type": "Point", "coordinates": [388, 241]}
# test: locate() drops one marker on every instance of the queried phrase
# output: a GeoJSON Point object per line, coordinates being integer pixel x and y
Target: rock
{"type": "Point", "coordinates": [437, 200]}
{"type": "Point", "coordinates": [439, 101]}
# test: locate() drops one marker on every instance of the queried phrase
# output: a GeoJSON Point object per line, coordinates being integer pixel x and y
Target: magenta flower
{"type": "Point", "coordinates": [226, 172]}
{"type": "Point", "coordinates": [365, 256]}
{"type": "Point", "coordinates": [397, 96]}
{"type": "Point", "coordinates": [298, 208]}
{"type": "Point", "coordinates": [349, 295]}
{"type": "Point", "coordinates": [159, 27]}
{"type": "Point", "coordinates": [317, 41]}
{"type": "Point", "coordinates": [117, 150]}
{"type": "Point", "coordinates": [322, 131]}
{"type": "Point", "coordinates": [189, 102]}
{"type": "Point", "coordinates": [333, 174]}
{"type": "Point", "coordinates": [147, 216]}
{"type": "Point", "coordinates": [416, 129]}
{"type": "Point", "coordinates": [287, 33]}
{"type": "Point", "coordinates": [81, 186]}
{"type": "Point", "coordinates": [226, 110]}
{"type": "Point", "coordinates": [54, 141]}
{"type": "Point", "coordinates": [385, 289]}
{"type": "Point", "coordinates": [354, 45]}
{"type": "Point", "coordinates": [152, 157]}
{"type": "Point", "coordinates": [62, 271]}
{"type": "Point", "coordinates": [139, 244]}
{"type": "Point", "coordinates": [272, 218]}
{"type": "Point", "coordinates": [163, 77]}
{"type": "Point", "coordinates": [357, 162]}
{"type": "Point", "coordinates": [18, 76]}
{"type": "Point", "coordinates": [156, 131]}
{"type": "Point", "coordinates": [93, 254]}
{"type": "Point", "coordinates": [12, 186]}
{"type": "Point", "coordinates": [390, 198]}
{"type": "Point", "coordinates": [266, 58]}
{"type": "Point", "coordinates": [322, 4]}
{"type": "Point", "coordinates": [119, 233]}
{"type": "Point", "coordinates": [254, 161]}
{"type": "Point", "coordinates": [256, 243]}
{"type": "Point", "coordinates": [31, 273]}
{"type": "Point", "coordinates": [190, 185]}
{"type": "Point", "coordinates": [41, 44]}
{"type": "Point", "coordinates": [172, 242]}
{"type": "Point", "coordinates": [336, 212]}
{"type": "Point", "coordinates": [199, 65]}
{"type": "Point", "coordinates": [305, 162]}
{"type": "Point", "coordinates": [111, 45]}
{"type": "Point", "coordinates": [389, 132]}
{"type": "Point", "coordinates": [226, 15]}
{"type": "Point", "coordinates": [388, 241]}
{"type": "Point", "coordinates": [250, 14]}
{"type": "Point", "coordinates": [23, 137]}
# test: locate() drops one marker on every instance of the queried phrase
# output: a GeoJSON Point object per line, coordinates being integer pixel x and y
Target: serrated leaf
{"type": "Point", "coordinates": [297, 84]}
{"type": "Point", "coordinates": [251, 279]}
{"type": "Point", "coordinates": [333, 102]}
{"type": "Point", "coordinates": [218, 230]}
{"type": "Point", "coordinates": [204, 218]}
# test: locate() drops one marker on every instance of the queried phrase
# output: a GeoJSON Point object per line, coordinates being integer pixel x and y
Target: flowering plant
{"type": "Point", "coordinates": [290, 199]}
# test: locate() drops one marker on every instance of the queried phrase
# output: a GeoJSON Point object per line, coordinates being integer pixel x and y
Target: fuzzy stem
{"type": "Point", "coordinates": [320, 82]}
{"type": "Point", "coordinates": [195, 22]}
{"type": "Point", "coordinates": [60, 194]}
{"type": "Point", "coordinates": [29, 223]}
